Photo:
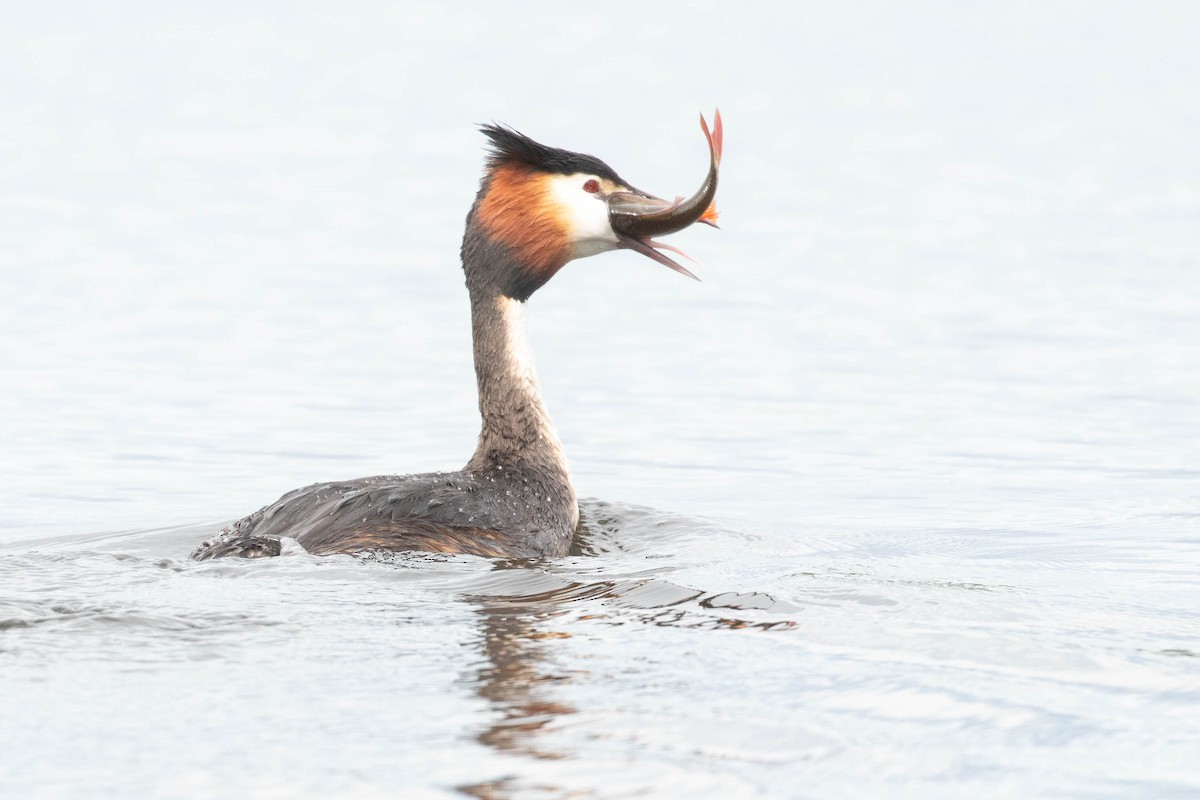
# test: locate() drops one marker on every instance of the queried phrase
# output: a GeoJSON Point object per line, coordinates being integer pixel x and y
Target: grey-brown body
{"type": "Point", "coordinates": [505, 513]}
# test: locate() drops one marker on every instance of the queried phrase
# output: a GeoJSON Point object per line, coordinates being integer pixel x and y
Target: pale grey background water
{"type": "Point", "coordinates": [922, 449]}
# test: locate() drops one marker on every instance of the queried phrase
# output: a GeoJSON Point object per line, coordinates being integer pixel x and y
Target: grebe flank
{"type": "Point", "coordinates": [538, 207]}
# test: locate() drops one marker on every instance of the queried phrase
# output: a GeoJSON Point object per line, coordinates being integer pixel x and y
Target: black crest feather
{"type": "Point", "coordinates": [510, 146]}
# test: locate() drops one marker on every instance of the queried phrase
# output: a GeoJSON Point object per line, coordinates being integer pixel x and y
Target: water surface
{"type": "Point", "coordinates": [902, 501]}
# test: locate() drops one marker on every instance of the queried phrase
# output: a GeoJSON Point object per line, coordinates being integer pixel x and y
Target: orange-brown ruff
{"type": "Point", "coordinates": [518, 211]}
{"type": "Point", "coordinates": [538, 207]}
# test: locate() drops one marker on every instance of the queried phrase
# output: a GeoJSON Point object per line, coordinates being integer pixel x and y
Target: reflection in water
{"type": "Point", "coordinates": [515, 678]}
{"type": "Point", "coordinates": [513, 681]}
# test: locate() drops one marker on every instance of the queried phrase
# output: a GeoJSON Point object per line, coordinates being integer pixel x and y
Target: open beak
{"type": "Point", "coordinates": [636, 216]}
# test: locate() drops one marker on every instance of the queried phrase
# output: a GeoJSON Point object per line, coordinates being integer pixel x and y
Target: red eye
{"type": "Point", "coordinates": [591, 186]}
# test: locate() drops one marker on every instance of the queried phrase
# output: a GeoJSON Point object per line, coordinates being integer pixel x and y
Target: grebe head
{"type": "Point", "coordinates": [540, 207]}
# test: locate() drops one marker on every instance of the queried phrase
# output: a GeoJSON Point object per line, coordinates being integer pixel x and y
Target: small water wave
{"type": "Point", "coordinates": [79, 618]}
{"type": "Point", "coordinates": [614, 600]}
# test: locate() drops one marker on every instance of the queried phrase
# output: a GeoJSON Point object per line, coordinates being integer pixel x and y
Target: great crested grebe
{"type": "Point", "coordinates": [538, 207]}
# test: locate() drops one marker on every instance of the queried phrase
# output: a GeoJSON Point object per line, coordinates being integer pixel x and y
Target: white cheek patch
{"type": "Point", "coordinates": [584, 214]}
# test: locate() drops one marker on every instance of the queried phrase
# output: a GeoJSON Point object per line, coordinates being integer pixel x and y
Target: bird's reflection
{"type": "Point", "coordinates": [515, 680]}
{"type": "Point", "coordinates": [517, 677]}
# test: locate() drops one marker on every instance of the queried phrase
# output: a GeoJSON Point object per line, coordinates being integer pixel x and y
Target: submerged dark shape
{"type": "Point", "coordinates": [538, 207]}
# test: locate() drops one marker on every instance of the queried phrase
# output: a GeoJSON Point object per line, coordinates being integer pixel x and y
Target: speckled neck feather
{"type": "Point", "coordinates": [516, 426]}
{"type": "Point", "coordinates": [516, 431]}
